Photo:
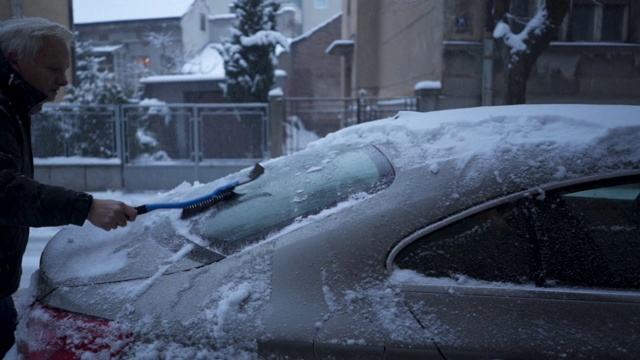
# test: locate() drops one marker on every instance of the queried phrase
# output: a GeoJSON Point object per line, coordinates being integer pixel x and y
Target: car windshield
{"type": "Point", "coordinates": [301, 185]}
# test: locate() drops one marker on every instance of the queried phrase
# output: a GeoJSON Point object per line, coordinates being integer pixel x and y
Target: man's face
{"type": "Point", "coordinates": [46, 72]}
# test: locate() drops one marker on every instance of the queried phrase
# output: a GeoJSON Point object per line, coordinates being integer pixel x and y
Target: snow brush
{"type": "Point", "coordinates": [198, 205]}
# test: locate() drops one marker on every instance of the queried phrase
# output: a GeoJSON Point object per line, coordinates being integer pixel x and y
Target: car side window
{"type": "Point", "coordinates": [580, 236]}
{"type": "Point", "coordinates": [491, 245]}
{"type": "Point", "coordinates": [590, 237]}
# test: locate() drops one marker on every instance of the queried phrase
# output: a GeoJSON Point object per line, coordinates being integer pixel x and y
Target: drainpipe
{"type": "Point", "coordinates": [17, 8]}
{"type": "Point", "coordinates": [487, 56]}
{"type": "Point", "coordinates": [487, 71]}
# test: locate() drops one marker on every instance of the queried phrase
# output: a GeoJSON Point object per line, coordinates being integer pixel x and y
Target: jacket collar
{"type": "Point", "coordinates": [22, 95]}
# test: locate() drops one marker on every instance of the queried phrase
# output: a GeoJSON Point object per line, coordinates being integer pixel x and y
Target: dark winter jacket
{"type": "Point", "coordinates": [24, 202]}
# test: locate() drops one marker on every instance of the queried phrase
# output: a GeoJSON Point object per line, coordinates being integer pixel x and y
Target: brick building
{"type": "Point", "coordinates": [311, 71]}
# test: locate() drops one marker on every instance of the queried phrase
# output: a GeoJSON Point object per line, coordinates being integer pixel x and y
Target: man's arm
{"type": "Point", "coordinates": [26, 202]}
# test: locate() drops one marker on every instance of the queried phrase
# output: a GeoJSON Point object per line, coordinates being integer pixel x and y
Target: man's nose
{"type": "Point", "coordinates": [61, 80]}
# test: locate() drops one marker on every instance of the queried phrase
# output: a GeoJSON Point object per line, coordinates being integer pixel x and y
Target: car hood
{"type": "Point", "coordinates": [88, 255]}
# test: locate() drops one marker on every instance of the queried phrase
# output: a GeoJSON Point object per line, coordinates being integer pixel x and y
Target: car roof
{"type": "Point", "coordinates": [455, 159]}
{"type": "Point", "coordinates": [431, 137]}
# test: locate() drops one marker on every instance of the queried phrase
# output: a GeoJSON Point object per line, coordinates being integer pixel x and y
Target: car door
{"type": "Point", "coordinates": [553, 275]}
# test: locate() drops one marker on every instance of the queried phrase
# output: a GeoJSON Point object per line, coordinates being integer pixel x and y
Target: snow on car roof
{"type": "Point", "coordinates": [465, 133]}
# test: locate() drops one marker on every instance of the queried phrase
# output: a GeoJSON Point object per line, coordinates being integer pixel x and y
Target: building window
{"type": "Point", "coordinates": [203, 23]}
{"type": "Point", "coordinates": [143, 61]}
{"type": "Point", "coordinates": [597, 21]}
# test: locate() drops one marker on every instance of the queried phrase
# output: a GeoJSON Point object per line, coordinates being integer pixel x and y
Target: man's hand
{"type": "Point", "coordinates": [109, 214]}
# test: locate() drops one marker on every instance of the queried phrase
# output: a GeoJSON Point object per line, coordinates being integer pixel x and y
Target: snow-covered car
{"type": "Point", "coordinates": [494, 232]}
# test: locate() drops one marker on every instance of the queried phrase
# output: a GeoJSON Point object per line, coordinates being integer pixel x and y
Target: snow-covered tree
{"type": "Point", "coordinates": [522, 49]}
{"type": "Point", "coordinates": [170, 57]}
{"type": "Point", "coordinates": [95, 85]}
{"type": "Point", "coordinates": [88, 132]}
{"type": "Point", "coordinates": [249, 55]}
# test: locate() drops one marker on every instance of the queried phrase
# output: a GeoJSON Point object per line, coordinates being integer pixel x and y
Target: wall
{"type": "Point", "coordinates": [564, 73]}
{"type": "Point", "coordinates": [138, 178]}
{"type": "Point", "coordinates": [579, 73]}
{"type": "Point", "coordinates": [54, 10]}
{"type": "Point", "coordinates": [195, 37]}
{"type": "Point", "coordinates": [461, 75]}
{"type": "Point", "coordinates": [314, 73]}
{"type": "Point", "coordinates": [412, 30]}
{"type": "Point", "coordinates": [464, 20]}
{"type": "Point", "coordinates": [5, 9]}
{"type": "Point", "coordinates": [111, 177]}
{"type": "Point", "coordinates": [80, 177]}
{"type": "Point", "coordinates": [175, 92]}
{"type": "Point", "coordinates": [217, 7]}
{"type": "Point", "coordinates": [219, 27]}
{"type": "Point", "coordinates": [590, 72]}
{"type": "Point", "coordinates": [365, 55]}
{"type": "Point", "coordinates": [397, 44]}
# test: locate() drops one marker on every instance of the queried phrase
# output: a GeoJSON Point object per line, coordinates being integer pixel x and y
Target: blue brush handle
{"type": "Point", "coordinates": [180, 205]}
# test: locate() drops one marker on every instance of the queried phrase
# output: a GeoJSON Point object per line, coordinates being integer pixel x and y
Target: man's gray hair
{"type": "Point", "coordinates": [25, 35]}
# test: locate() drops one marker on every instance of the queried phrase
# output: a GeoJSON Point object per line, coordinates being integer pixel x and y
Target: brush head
{"type": "Point", "coordinates": [255, 172]}
{"type": "Point", "coordinates": [227, 194]}
{"type": "Point", "coordinates": [204, 205]}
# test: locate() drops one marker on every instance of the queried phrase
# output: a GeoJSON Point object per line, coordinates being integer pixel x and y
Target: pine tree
{"type": "Point", "coordinates": [249, 55]}
{"type": "Point", "coordinates": [88, 129]}
{"type": "Point", "coordinates": [96, 85]}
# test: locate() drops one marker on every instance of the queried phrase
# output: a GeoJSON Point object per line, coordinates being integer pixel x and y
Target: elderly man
{"type": "Point", "coordinates": [34, 55]}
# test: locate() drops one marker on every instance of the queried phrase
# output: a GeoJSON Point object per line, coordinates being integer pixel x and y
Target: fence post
{"type": "Point", "coordinates": [277, 117]}
{"type": "Point", "coordinates": [118, 112]}
{"type": "Point", "coordinates": [428, 93]}
{"type": "Point", "coordinates": [196, 120]}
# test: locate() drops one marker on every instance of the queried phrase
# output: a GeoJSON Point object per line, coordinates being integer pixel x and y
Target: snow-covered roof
{"type": "Point", "coordinates": [222, 16]}
{"type": "Point", "coordinates": [207, 65]}
{"type": "Point", "coordinates": [106, 48]}
{"type": "Point", "coordinates": [98, 11]}
{"type": "Point", "coordinates": [207, 61]}
{"type": "Point", "coordinates": [340, 47]}
{"type": "Point", "coordinates": [428, 85]}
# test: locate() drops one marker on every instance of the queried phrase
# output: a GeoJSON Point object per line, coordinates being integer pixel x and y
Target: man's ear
{"type": "Point", "coordinates": [12, 57]}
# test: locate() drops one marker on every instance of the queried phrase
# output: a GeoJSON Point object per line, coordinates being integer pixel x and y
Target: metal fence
{"type": "Point", "coordinates": [158, 145]}
{"type": "Point", "coordinates": [195, 132]}
{"type": "Point", "coordinates": [73, 130]}
{"type": "Point", "coordinates": [152, 132]}
{"type": "Point", "coordinates": [310, 118]}
{"type": "Point", "coordinates": [160, 132]}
